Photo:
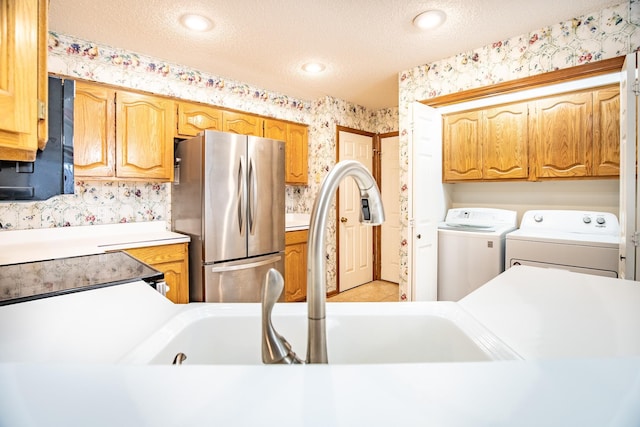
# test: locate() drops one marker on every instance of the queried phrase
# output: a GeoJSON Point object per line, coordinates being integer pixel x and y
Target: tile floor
{"type": "Point", "coordinates": [375, 291]}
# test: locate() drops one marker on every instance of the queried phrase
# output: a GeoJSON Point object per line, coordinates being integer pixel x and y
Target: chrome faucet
{"type": "Point", "coordinates": [371, 212]}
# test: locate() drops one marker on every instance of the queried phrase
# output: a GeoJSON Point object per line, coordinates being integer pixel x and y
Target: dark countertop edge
{"type": "Point", "coordinates": [28, 298]}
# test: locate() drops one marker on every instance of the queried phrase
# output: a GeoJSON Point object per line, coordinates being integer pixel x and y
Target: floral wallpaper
{"type": "Point", "coordinates": [93, 203]}
{"type": "Point", "coordinates": [604, 34]}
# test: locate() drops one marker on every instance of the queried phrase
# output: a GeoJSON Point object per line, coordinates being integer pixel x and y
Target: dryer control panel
{"type": "Point", "coordinates": [571, 221]}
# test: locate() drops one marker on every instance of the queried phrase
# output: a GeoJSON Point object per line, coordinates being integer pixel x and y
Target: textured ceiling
{"type": "Point", "coordinates": [364, 43]}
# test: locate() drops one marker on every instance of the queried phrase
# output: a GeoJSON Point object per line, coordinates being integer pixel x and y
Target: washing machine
{"type": "Point", "coordinates": [580, 241]}
{"type": "Point", "coordinates": [471, 245]}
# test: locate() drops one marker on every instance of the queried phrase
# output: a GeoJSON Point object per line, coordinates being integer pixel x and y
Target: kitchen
{"type": "Point", "coordinates": [143, 201]}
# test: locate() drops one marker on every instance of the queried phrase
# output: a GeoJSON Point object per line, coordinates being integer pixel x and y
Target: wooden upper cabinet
{"type": "Point", "coordinates": [144, 136]}
{"type": "Point", "coordinates": [296, 148]}
{"type": "Point", "coordinates": [195, 118]}
{"type": "Point", "coordinates": [275, 129]}
{"type": "Point", "coordinates": [94, 132]}
{"type": "Point", "coordinates": [121, 134]}
{"type": "Point", "coordinates": [505, 142]}
{"type": "Point", "coordinates": [297, 155]}
{"type": "Point", "coordinates": [606, 132]}
{"type": "Point", "coordinates": [244, 124]}
{"type": "Point", "coordinates": [563, 135]}
{"type": "Point", "coordinates": [23, 78]}
{"type": "Point", "coordinates": [573, 135]}
{"type": "Point", "coordinates": [462, 150]}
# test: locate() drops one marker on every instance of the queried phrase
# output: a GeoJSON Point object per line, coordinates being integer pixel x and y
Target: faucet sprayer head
{"type": "Point", "coordinates": [371, 210]}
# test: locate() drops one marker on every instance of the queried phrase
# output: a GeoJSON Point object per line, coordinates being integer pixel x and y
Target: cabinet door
{"type": "Point", "coordinates": [606, 132]}
{"type": "Point", "coordinates": [18, 79]}
{"type": "Point", "coordinates": [296, 151]}
{"type": "Point", "coordinates": [144, 136]}
{"type": "Point", "coordinates": [173, 261]}
{"type": "Point", "coordinates": [297, 157]}
{"type": "Point", "coordinates": [195, 118]}
{"type": "Point", "coordinates": [174, 274]}
{"type": "Point", "coordinates": [295, 266]}
{"type": "Point", "coordinates": [275, 129]}
{"type": "Point", "coordinates": [505, 141]}
{"type": "Point", "coordinates": [462, 150]}
{"type": "Point", "coordinates": [94, 132]}
{"type": "Point", "coordinates": [244, 124]}
{"type": "Point", "coordinates": [563, 137]}
{"type": "Point", "coordinates": [43, 76]}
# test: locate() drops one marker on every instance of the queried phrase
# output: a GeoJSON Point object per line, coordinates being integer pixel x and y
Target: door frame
{"type": "Point", "coordinates": [376, 176]}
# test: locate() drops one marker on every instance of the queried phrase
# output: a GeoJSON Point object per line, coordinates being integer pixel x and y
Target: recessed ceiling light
{"type": "Point", "coordinates": [196, 22]}
{"type": "Point", "coordinates": [313, 67]}
{"type": "Point", "coordinates": [429, 19]}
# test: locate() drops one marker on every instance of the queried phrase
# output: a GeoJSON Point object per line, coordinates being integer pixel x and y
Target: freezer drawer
{"type": "Point", "coordinates": [239, 281]}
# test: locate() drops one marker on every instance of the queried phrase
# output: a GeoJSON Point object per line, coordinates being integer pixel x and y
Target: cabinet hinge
{"type": "Point", "coordinates": [636, 88]}
{"type": "Point", "coordinates": [42, 110]}
{"type": "Point", "coordinates": [635, 238]}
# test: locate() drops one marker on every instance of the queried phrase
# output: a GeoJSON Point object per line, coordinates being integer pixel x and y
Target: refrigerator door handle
{"type": "Point", "coordinates": [253, 197]}
{"type": "Point", "coordinates": [246, 266]}
{"type": "Point", "coordinates": [241, 197]}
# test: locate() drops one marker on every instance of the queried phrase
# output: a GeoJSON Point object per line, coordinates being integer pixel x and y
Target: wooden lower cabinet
{"type": "Point", "coordinates": [173, 261]}
{"type": "Point", "coordinates": [295, 265]}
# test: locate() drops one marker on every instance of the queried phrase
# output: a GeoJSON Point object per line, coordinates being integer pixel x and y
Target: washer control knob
{"type": "Point", "coordinates": [537, 218]}
{"type": "Point", "coordinates": [586, 219]}
{"type": "Point", "coordinates": [600, 220]}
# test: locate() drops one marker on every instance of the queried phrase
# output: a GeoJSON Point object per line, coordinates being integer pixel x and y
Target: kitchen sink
{"type": "Point", "coordinates": [357, 333]}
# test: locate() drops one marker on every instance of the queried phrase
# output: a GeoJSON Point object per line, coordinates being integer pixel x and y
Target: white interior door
{"type": "Point", "coordinates": [629, 263]}
{"type": "Point", "coordinates": [356, 240]}
{"type": "Point", "coordinates": [427, 201]}
{"type": "Point", "coordinates": [390, 191]}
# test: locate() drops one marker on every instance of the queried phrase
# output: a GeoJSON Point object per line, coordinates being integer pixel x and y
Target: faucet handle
{"type": "Point", "coordinates": [275, 348]}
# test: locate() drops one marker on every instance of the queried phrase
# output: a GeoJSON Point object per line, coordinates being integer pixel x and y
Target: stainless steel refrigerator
{"type": "Point", "coordinates": [228, 196]}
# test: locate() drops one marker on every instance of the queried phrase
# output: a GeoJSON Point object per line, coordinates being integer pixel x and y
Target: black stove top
{"type": "Point", "coordinates": [42, 279]}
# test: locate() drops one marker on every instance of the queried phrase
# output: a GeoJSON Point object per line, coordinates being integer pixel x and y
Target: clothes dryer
{"type": "Point", "coordinates": [580, 241]}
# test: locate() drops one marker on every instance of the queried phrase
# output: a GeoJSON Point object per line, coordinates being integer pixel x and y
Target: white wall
{"type": "Point", "coordinates": [600, 195]}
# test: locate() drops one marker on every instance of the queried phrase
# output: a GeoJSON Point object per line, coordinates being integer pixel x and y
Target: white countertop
{"type": "Point", "coordinates": [96, 326]}
{"type": "Point", "coordinates": [533, 310]}
{"type": "Point", "coordinates": [584, 393]}
{"type": "Point", "coordinates": [296, 221]}
{"type": "Point", "coordinates": [60, 242]}
{"type": "Point", "coordinates": [51, 243]}
{"type": "Point", "coordinates": [549, 313]}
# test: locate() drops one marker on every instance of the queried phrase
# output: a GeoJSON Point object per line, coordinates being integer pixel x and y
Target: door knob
{"type": "Point", "coordinates": [343, 219]}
